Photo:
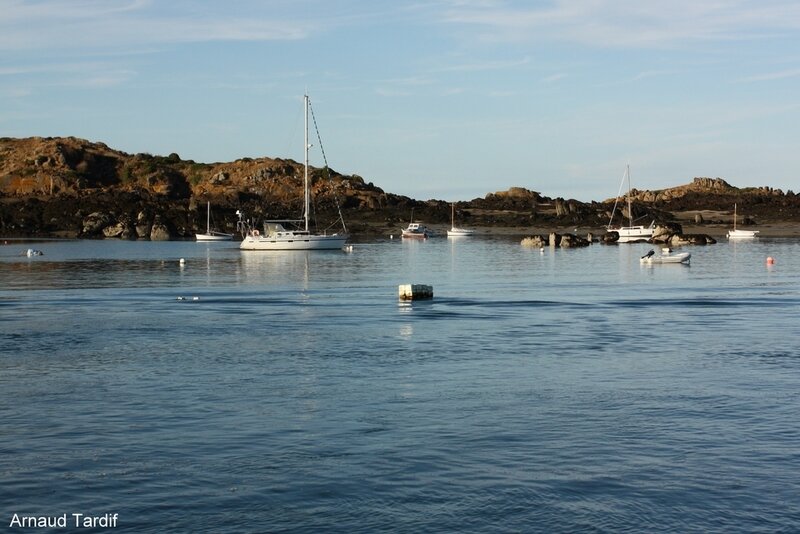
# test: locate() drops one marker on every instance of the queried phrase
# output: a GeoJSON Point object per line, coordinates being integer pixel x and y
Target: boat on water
{"type": "Point", "coordinates": [277, 237]}
{"type": "Point", "coordinates": [666, 256]}
{"type": "Point", "coordinates": [212, 235]}
{"type": "Point", "coordinates": [740, 234]}
{"type": "Point", "coordinates": [416, 231]}
{"type": "Point", "coordinates": [630, 233]}
{"type": "Point", "coordinates": [454, 231]}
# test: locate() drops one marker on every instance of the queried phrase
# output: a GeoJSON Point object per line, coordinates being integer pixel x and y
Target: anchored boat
{"type": "Point", "coordinates": [277, 237]}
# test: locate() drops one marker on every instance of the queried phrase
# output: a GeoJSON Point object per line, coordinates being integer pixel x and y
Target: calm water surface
{"type": "Point", "coordinates": [554, 391]}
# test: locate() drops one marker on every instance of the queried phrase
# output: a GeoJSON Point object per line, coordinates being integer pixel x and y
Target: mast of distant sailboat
{"type": "Point", "coordinates": [306, 200]}
{"type": "Point", "coordinates": [630, 209]}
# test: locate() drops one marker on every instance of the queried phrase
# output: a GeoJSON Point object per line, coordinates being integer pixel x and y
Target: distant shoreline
{"type": "Point", "coordinates": [717, 231]}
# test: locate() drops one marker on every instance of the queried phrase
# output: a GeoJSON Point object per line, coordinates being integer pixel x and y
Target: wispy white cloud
{"type": "Point", "coordinates": [649, 74]}
{"type": "Point", "coordinates": [15, 92]}
{"type": "Point", "coordinates": [628, 23]}
{"type": "Point", "coordinates": [123, 23]}
{"type": "Point", "coordinates": [487, 65]}
{"type": "Point", "coordinates": [411, 81]}
{"type": "Point", "coordinates": [453, 91]}
{"type": "Point", "coordinates": [555, 77]}
{"type": "Point", "coordinates": [75, 74]}
{"type": "Point", "coordinates": [780, 75]}
{"type": "Point", "coordinates": [392, 92]}
{"type": "Point", "coordinates": [503, 94]}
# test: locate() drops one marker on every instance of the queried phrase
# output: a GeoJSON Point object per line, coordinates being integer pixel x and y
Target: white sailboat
{"type": "Point", "coordinates": [277, 237]}
{"type": "Point", "coordinates": [212, 235]}
{"type": "Point", "coordinates": [630, 233]}
{"type": "Point", "coordinates": [454, 231]}
{"type": "Point", "coordinates": [740, 234]}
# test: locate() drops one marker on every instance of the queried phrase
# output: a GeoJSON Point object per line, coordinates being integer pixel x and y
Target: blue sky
{"type": "Point", "coordinates": [447, 99]}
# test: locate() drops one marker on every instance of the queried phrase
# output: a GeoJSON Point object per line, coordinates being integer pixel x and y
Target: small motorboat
{"type": "Point", "coordinates": [416, 230]}
{"type": "Point", "coordinates": [666, 257]}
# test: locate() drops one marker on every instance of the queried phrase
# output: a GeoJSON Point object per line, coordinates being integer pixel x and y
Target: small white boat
{"type": "Point", "coordinates": [740, 234]}
{"type": "Point", "coordinates": [454, 231]}
{"type": "Point", "coordinates": [630, 233]}
{"type": "Point", "coordinates": [416, 231]}
{"type": "Point", "coordinates": [212, 235]}
{"type": "Point", "coordinates": [666, 257]}
{"type": "Point", "coordinates": [458, 232]}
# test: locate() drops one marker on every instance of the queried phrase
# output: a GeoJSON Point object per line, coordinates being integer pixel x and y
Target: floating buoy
{"type": "Point", "coordinates": [415, 291]}
{"type": "Point", "coordinates": [195, 298]}
{"type": "Point", "coordinates": [770, 260]}
{"type": "Point", "coordinates": [182, 261]}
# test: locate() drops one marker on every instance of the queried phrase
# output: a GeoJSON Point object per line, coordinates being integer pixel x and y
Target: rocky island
{"type": "Point", "coordinates": [69, 187]}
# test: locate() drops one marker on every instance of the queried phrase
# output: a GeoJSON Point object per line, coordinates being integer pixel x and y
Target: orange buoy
{"type": "Point", "coordinates": [770, 260]}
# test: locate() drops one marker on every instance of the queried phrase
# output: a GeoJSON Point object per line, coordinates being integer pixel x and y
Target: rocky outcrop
{"type": "Point", "coordinates": [666, 233]}
{"type": "Point", "coordinates": [663, 232]}
{"type": "Point", "coordinates": [159, 231]}
{"type": "Point", "coordinates": [534, 241]}
{"type": "Point", "coordinates": [572, 241]}
{"type": "Point", "coordinates": [555, 240]}
{"type": "Point", "coordinates": [679, 240]}
{"type": "Point", "coordinates": [70, 186]}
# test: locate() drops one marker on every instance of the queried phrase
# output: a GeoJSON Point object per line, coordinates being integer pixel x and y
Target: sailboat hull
{"type": "Point", "coordinates": [460, 232]}
{"type": "Point", "coordinates": [742, 234]}
{"type": "Point", "coordinates": [633, 234]}
{"type": "Point", "coordinates": [299, 241]}
{"type": "Point", "coordinates": [213, 237]}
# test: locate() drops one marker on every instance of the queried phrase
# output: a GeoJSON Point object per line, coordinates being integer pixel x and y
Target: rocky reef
{"type": "Point", "coordinates": [65, 186]}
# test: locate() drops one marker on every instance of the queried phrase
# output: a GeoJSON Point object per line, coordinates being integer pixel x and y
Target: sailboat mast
{"type": "Point", "coordinates": [208, 217]}
{"type": "Point", "coordinates": [306, 203]}
{"type": "Point", "coordinates": [630, 211]}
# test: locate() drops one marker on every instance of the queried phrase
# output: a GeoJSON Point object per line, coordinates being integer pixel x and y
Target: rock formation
{"type": "Point", "coordinates": [66, 186]}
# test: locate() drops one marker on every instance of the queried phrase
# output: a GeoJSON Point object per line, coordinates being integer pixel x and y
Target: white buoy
{"type": "Point", "coordinates": [415, 291]}
{"type": "Point", "coordinates": [182, 261]}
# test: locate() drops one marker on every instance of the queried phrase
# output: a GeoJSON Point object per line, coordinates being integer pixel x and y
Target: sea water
{"type": "Point", "coordinates": [538, 391]}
